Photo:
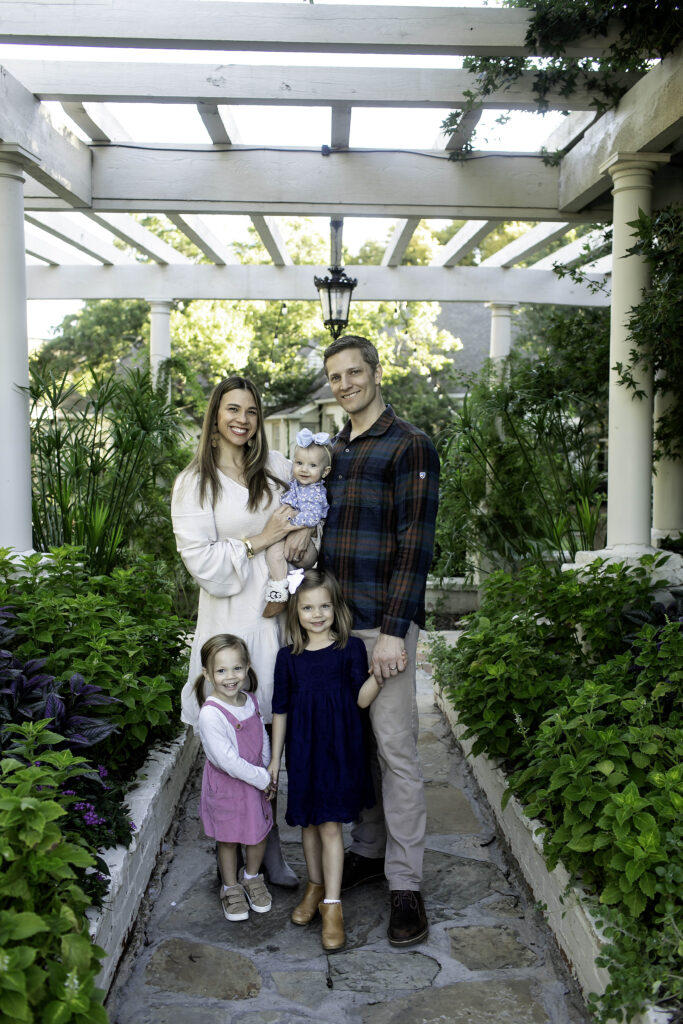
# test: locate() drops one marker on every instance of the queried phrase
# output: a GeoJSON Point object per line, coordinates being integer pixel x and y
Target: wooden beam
{"type": "Point", "coordinates": [97, 121]}
{"type": "Point", "coordinates": [463, 241]}
{"type": "Point", "coordinates": [63, 227]}
{"type": "Point", "coordinates": [386, 284]}
{"type": "Point", "coordinates": [269, 232]}
{"type": "Point", "coordinates": [458, 139]}
{"type": "Point", "coordinates": [341, 126]}
{"type": "Point", "coordinates": [38, 244]}
{"type": "Point", "coordinates": [219, 123]}
{"type": "Point", "coordinates": [201, 235]}
{"type": "Point", "coordinates": [184, 24]}
{"type": "Point", "coordinates": [578, 250]}
{"type": "Point", "coordinates": [125, 227]}
{"type": "Point", "coordinates": [399, 241]}
{"type": "Point", "coordinates": [648, 119]}
{"type": "Point", "coordinates": [78, 81]}
{"type": "Point", "coordinates": [62, 162]}
{"type": "Point", "coordinates": [526, 245]}
{"type": "Point", "coordinates": [196, 179]}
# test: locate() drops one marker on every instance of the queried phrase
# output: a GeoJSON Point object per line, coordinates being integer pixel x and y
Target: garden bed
{"type": "Point", "coordinates": [570, 921]}
{"type": "Point", "coordinates": [152, 801]}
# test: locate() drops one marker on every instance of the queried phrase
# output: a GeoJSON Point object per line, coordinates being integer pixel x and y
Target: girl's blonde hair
{"type": "Point", "coordinates": [207, 656]}
{"type": "Point", "coordinates": [258, 477]}
{"type": "Point", "coordinates": [341, 623]}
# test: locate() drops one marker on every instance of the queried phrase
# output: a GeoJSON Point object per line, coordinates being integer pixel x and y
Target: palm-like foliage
{"type": "Point", "coordinates": [98, 452]}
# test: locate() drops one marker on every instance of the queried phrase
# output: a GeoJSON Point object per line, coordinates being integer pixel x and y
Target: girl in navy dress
{"type": "Point", "coordinates": [321, 680]}
{"type": "Point", "coordinates": [236, 785]}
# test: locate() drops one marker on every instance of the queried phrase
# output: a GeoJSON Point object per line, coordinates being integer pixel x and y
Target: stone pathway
{"type": "Point", "coordinates": [489, 958]}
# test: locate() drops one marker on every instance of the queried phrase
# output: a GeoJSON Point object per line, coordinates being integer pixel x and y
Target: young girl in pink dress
{"type": "Point", "coordinates": [236, 786]}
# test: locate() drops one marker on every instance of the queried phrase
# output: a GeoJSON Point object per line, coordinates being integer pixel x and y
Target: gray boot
{"type": "Point", "coordinates": [275, 867]}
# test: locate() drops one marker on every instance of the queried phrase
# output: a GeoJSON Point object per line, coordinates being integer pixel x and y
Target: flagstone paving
{"type": "Point", "coordinates": [489, 958]}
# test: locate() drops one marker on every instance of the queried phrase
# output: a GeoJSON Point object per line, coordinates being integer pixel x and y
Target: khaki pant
{"type": "Point", "coordinates": [395, 827]}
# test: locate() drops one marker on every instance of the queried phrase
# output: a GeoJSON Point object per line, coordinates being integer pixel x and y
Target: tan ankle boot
{"type": "Point", "coordinates": [305, 911]}
{"type": "Point", "coordinates": [333, 926]}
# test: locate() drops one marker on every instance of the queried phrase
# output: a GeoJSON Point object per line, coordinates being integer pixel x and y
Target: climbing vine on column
{"type": "Point", "coordinates": [656, 323]}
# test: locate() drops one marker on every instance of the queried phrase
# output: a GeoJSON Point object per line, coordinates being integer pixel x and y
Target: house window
{"type": "Point", "coordinates": [275, 429]}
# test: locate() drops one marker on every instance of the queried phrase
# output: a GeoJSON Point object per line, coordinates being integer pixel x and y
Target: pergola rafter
{"type": "Point", "coordinates": [48, 174]}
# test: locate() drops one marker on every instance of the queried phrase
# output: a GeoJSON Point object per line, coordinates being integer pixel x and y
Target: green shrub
{"type": "Point", "coordinates": [117, 631]}
{"type": "Point", "coordinates": [49, 962]}
{"type": "Point", "coordinates": [520, 471]}
{"type": "Point", "coordinates": [588, 720]}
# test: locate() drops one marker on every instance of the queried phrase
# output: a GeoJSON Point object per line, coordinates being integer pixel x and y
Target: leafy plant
{"type": "Point", "coordinates": [98, 452]}
{"type": "Point", "coordinates": [115, 631]}
{"type": "Point", "coordinates": [584, 710]}
{"type": "Point", "coordinates": [29, 693]}
{"type": "Point", "coordinates": [521, 471]}
{"type": "Point", "coordinates": [49, 962]}
{"type": "Point", "coordinates": [643, 32]}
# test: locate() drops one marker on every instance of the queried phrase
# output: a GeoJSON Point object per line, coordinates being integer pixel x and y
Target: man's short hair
{"type": "Point", "coordinates": [366, 348]}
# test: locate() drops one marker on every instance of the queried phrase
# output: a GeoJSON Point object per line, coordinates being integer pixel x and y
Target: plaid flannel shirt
{"type": "Point", "coordinates": [378, 539]}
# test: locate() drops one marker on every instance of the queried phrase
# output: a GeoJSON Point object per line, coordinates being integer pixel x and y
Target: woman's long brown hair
{"type": "Point", "coordinates": [258, 477]}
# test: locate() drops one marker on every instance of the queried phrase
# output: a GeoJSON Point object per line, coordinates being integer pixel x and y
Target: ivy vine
{"type": "Point", "coordinates": [646, 30]}
{"type": "Point", "coordinates": [656, 324]}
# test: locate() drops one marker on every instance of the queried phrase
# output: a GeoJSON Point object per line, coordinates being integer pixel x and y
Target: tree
{"type": "Point", "coordinates": [279, 345]}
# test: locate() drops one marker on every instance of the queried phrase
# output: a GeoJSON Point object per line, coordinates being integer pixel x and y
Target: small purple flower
{"type": "Point", "coordinates": [102, 771]}
{"type": "Point", "coordinates": [133, 826]}
{"type": "Point", "coordinates": [69, 792]}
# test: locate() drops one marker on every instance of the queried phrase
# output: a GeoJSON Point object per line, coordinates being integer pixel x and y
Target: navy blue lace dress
{"type": "Point", "coordinates": [325, 745]}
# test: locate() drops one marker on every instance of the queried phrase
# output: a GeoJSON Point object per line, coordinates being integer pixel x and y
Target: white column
{"type": "Point", "coordinates": [629, 477]}
{"type": "Point", "coordinates": [159, 335]}
{"type": "Point", "coordinates": [15, 437]}
{"type": "Point", "coordinates": [667, 488]}
{"type": "Point", "coordinates": [501, 329]}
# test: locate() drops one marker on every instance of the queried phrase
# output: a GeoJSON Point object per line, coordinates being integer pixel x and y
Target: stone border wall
{"type": "Point", "coordinates": [152, 800]}
{"type": "Point", "coordinates": [451, 595]}
{"type": "Point", "coordinates": [573, 927]}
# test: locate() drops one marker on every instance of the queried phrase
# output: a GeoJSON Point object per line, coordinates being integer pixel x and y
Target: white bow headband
{"type": "Point", "coordinates": [306, 437]}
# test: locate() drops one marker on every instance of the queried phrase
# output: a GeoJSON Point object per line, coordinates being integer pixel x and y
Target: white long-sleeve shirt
{"type": "Point", "coordinates": [232, 587]}
{"type": "Point", "coordinates": [219, 741]}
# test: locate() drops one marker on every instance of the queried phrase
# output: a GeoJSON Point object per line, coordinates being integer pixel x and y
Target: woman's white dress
{"type": "Point", "coordinates": [232, 586]}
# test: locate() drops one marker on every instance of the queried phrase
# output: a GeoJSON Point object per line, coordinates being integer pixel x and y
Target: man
{"type": "Point", "coordinates": [378, 541]}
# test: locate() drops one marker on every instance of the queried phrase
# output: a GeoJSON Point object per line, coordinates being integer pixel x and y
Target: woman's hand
{"type": "Point", "coordinates": [277, 527]}
{"type": "Point", "coordinates": [297, 544]}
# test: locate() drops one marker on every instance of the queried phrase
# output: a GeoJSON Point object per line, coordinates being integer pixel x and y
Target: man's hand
{"type": "Point", "coordinates": [296, 543]}
{"type": "Point", "coordinates": [388, 657]}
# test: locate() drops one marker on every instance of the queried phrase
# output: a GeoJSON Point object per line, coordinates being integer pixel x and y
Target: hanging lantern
{"type": "Point", "coordinates": [335, 299]}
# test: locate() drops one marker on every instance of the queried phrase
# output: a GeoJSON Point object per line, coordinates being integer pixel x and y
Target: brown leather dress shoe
{"type": "Point", "coordinates": [408, 922]}
{"type": "Point", "coordinates": [334, 937]}
{"type": "Point", "coordinates": [305, 911]}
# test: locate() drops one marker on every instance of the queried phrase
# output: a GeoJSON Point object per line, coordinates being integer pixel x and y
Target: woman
{"type": "Point", "coordinates": [226, 512]}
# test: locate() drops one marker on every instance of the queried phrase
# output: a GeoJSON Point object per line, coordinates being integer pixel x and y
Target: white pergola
{"type": "Point", "coordinates": [64, 179]}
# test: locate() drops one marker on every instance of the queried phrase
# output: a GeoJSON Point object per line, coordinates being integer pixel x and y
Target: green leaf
{"type": "Point", "coordinates": [15, 1007]}
{"type": "Point", "coordinates": [611, 894]}
{"type": "Point", "coordinates": [19, 926]}
{"type": "Point", "coordinates": [636, 902]}
{"type": "Point", "coordinates": [56, 1013]}
{"type": "Point", "coordinates": [581, 843]}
